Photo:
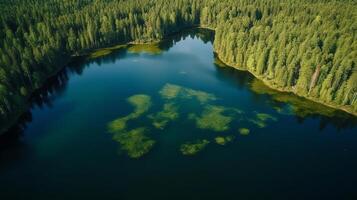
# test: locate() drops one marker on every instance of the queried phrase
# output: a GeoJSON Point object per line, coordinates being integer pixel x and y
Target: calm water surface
{"type": "Point", "coordinates": [65, 147]}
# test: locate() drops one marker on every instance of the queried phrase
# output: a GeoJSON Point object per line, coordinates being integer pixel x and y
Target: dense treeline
{"type": "Point", "coordinates": [308, 47]}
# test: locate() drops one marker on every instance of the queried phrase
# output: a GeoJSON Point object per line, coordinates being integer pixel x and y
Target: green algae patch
{"type": "Point", "coordinates": [105, 51]}
{"type": "Point", "coordinates": [134, 142]}
{"type": "Point", "coordinates": [260, 124]}
{"type": "Point", "coordinates": [244, 131]}
{"type": "Point", "coordinates": [201, 96]}
{"type": "Point", "coordinates": [265, 117]}
{"type": "Point", "coordinates": [145, 48]}
{"type": "Point", "coordinates": [261, 119]}
{"type": "Point", "coordinates": [117, 125]}
{"type": "Point", "coordinates": [169, 113]}
{"type": "Point", "coordinates": [171, 91]}
{"type": "Point", "coordinates": [223, 140]}
{"type": "Point", "coordinates": [286, 110]}
{"type": "Point", "coordinates": [141, 104]}
{"type": "Point", "coordinates": [212, 118]}
{"type": "Point", "coordinates": [192, 148]}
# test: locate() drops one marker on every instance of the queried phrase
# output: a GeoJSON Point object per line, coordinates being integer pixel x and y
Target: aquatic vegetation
{"type": "Point", "coordinates": [105, 51]}
{"type": "Point", "coordinates": [244, 131]}
{"type": "Point", "coordinates": [192, 148]}
{"type": "Point", "coordinates": [265, 117]}
{"type": "Point", "coordinates": [169, 113]}
{"type": "Point", "coordinates": [259, 123]}
{"type": "Point", "coordinates": [118, 124]}
{"type": "Point", "coordinates": [261, 119]}
{"type": "Point", "coordinates": [145, 48]}
{"type": "Point", "coordinates": [134, 142]}
{"type": "Point", "coordinates": [237, 111]}
{"type": "Point", "coordinates": [171, 91]}
{"type": "Point", "coordinates": [212, 118]}
{"type": "Point", "coordinates": [201, 96]}
{"type": "Point", "coordinates": [285, 110]}
{"type": "Point", "coordinates": [141, 103]}
{"type": "Point", "coordinates": [223, 140]}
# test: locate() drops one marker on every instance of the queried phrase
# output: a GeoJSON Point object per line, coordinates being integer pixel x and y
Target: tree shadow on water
{"type": "Point", "coordinates": [285, 103]}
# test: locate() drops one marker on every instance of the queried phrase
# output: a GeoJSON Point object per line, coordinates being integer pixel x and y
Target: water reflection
{"type": "Point", "coordinates": [286, 103]}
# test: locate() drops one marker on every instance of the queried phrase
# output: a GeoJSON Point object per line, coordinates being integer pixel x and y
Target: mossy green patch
{"type": "Point", "coordinates": [169, 113]}
{"type": "Point", "coordinates": [134, 142]}
{"type": "Point", "coordinates": [223, 140]}
{"type": "Point", "coordinates": [192, 148]}
{"type": "Point", "coordinates": [171, 91]}
{"type": "Point", "coordinates": [284, 110]}
{"type": "Point", "coordinates": [201, 96]}
{"type": "Point", "coordinates": [118, 124]}
{"type": "Point", "coordinates": [141, 104]}
{"type": "Point", "coordinates": [244, 131]}
{"type": "Point", "coordinates": [212, 118]}
{"type": "Point", "coordinates": [145, 48]}
{"type": "Point", "coordinates": [105, 51]}
{"type": "Point", "coordinates": [265, 117]}
{"type": "Point", "coordinates": [259, 123]}
{"type": "Point", "coordinates": [261, 119]}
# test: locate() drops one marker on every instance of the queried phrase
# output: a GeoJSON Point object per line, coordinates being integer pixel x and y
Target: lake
{"type": "Point", "coordinates": [170, 121]}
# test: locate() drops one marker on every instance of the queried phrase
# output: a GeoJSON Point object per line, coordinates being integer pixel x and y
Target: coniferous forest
{"type": "Point", "coordinates": [308, 47]}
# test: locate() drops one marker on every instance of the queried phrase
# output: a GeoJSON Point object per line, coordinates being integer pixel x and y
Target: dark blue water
{"type": "Point", "coordinates": [64, 148]}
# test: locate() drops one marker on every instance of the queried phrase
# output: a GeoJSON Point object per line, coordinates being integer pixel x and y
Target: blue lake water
{"type": "Point", "coordinates": [170, 121]}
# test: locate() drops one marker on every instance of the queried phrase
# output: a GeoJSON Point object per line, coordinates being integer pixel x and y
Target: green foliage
{"type": "Point", "coordinates": [213, 118]}
{"type": "Point", "coordinates": [192, 148]}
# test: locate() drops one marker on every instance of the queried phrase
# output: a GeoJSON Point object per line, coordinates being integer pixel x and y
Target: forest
{"type": "Point", "coordinates": [308, 47]}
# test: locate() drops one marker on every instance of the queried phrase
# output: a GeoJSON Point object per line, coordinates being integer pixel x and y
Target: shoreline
{"type": "Point", "coordinates": [268, 84]}
{"type": "Point", "coordinates": [87, 53]}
